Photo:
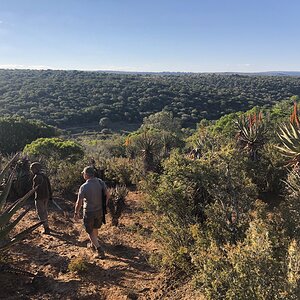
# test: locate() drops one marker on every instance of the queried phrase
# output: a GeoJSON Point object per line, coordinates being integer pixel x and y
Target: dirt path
{"type": "Point", "coordinates": [124, 274]}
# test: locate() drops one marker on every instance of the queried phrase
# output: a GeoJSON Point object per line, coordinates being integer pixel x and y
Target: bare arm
{"type": "Point", "coordinates": [78, 204]}
{"type": "Point", "coordinates": [107, 193]}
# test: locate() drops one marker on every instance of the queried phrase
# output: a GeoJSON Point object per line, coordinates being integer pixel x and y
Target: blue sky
{"type": "Point", "coordinates": [152, 35]}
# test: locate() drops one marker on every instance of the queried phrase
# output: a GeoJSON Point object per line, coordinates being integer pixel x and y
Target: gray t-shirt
{"type": "Point", "coordinates": [91, 194]}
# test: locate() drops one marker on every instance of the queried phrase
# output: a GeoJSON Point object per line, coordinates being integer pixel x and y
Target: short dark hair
{"type": "Point", "coordinates": [89, 171]}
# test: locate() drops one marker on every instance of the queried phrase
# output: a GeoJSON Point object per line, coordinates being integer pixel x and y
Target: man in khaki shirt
{"type": "Point", "coordinates": [90, 196]}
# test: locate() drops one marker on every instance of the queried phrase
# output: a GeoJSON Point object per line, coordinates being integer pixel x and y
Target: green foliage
{"type": "Point", "coordinates": [104, 122]}
{"type": "Point", "coordinates": [155, 260]}
{"type": "Point", "coordinates": [294, 267]}
{"type": "Point", "coordinates": [290, 208]}
{"type": "Point", "coordinates": [267, 172]}
{"type": "Point", "coordinates": [16, 132]}
{"type": "Point", "coordinates": [152, 146]}
{"type": "Point", "coordinates": [213, 190]}
{"type": "Point", "coordinates": [101, 149]}
{"type": "Point", "coordinates": [124, 171]}
{"type": "Point", "coordinates": [162, 121]}
{"type": "Point", "coordinates": [289, 135]}
{"type": "Point", "coordinates": [65, 176]}
{"type": "Point", "coordinates": [280, 112]}
{"type": "Point", "coordinates": [251, 269]}
{"type": "Point", "coordinates": [74, 98]}
{"type": "Point", "coordinates": [55, 148]}
{"type": "Point", "coordinates": [251, 132]}
{"type": "Point", "coordinates": [79, 265]}
{"type": "Point", "coordinates": [225, 124]}
{"type": "Point", "coordinates": [205, 140]}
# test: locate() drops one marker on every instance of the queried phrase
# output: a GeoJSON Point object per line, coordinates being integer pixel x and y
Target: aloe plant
{"type": "Point", "coordinates": [146, 145]}
{"type": "Point", "coordinates": [289, 136]}
{"type": "Point", "coordinates": [6, 213]}
{"type": "Point", "coordinates": [251, 133]}
{"type": "Point", "coordinates": [116, 203]}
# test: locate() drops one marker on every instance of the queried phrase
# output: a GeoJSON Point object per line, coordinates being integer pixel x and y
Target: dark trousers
{"type": "Point", "coordinates": [41, 206]}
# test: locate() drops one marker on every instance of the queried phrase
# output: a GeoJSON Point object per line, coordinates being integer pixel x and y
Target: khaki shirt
{"type": "Point", "coordinates": [91, 194]}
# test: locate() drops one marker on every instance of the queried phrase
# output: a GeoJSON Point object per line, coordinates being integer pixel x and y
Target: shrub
{"type": "Point", "coordinates": [251, 269]}
{"type": "Point", "coordinates": [78, 265]}
{"type": "Point", "coordinates": [55, 148]}
{"type": "Point", "coordinates": [294, 267]}
{"type": "Point", "coordinates": [65, 176]}
{"type": "Point", "coordinates": [105, 148]}
{"type": "Point", "coordinates": [213, 192]}
{"type": "Point", "coordinates": [290, 207]}
{"type": "Point", "coordinates": [123, 171]}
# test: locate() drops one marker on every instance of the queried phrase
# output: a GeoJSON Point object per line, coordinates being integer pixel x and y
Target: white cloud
{"type": "Point", "coordinates": [34, 67]}
{"type": "Point", "coordinates": [44, 67]}
{"type": "Point", "coordinates": [244, 65]}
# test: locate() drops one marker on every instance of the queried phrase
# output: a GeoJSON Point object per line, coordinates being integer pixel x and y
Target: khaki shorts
{"type": "Point", "coordinates": [92, 220]}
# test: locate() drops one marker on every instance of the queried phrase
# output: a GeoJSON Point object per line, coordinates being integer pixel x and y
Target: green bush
{"type": "Point", "coordinates": [55, 148]}
{"type": "Point", "coordinates": [213, 191]}
{"type": "Point", "coordinates": [65, 176]}
{"type": "Point", "coordinates": [254, 268]}
{"type": "Point", "coordinates": [123, 171]}
{"type": "Point", "coordinates": [105, 148]}
{"type": "Point", "coordinates": [79, 265]}
{"type": "Point", "coordinates": [290, 207]}
{"type": "Point", "coordinates": [293, 263]}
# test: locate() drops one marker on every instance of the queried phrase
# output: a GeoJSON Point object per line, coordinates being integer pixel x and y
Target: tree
{"type": "Point", "coordinates": [164, 121]}
{"type": "Point", "coordinates": [104, 122]}
{"type": "Point", "coordinates": [56, 148]}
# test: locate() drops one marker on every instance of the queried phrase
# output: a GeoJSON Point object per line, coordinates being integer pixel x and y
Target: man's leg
{"type": "Point", "coordinates": [94, 240]}
{"type": "Point", "coordinates": [94, 237]}
{"type": "Point", "coordinates": [41, 208]}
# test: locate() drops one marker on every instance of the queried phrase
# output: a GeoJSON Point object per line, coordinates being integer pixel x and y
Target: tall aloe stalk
{"type": "Point", "coordinates": [6, 224]}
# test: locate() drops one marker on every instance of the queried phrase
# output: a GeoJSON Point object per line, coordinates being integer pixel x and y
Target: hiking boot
{"type": "Point", "coordinates": [101, 253]}
{"type": "Point", "coordinates": [47, 231]}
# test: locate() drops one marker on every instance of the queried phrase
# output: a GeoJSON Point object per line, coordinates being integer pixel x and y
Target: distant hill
{"type": "Point", "coordinates": [269, 73]}
{"type": "Point", "coordinates": [78, 98]}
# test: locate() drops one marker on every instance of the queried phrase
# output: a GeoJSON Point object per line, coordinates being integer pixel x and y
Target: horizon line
{"type": "Point", "coordinates": [44, 68]}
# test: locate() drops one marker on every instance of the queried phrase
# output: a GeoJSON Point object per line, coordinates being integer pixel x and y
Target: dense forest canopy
{"type": "Point", "coordinates": [68, 98]}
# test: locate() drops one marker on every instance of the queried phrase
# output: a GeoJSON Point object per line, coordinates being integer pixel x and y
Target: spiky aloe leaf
{"type": "Point", "coordinates": [6, 190]}
{"type": "Point", "coordinates": [6, 268]}
{"type": "Point", "coordinates": [289, 137]}
{"type": "Point", "coordinates": [121, 191]}
{"type": "Point", "coordinates": [9, 212]}
{"type": "Point", "coordinates": [5, 230]}
{"type": "Point", "coordinates": [8, 243]}
{"type": "Point", "coordinates": [293, 181]}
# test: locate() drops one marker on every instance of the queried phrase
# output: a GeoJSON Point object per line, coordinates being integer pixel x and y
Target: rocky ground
{"type": "Point", "coordinates": [125, 273]}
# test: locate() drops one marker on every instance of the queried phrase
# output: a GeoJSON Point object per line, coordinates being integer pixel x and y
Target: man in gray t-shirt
{"type": "Point", "coordinates": [90, 196]}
